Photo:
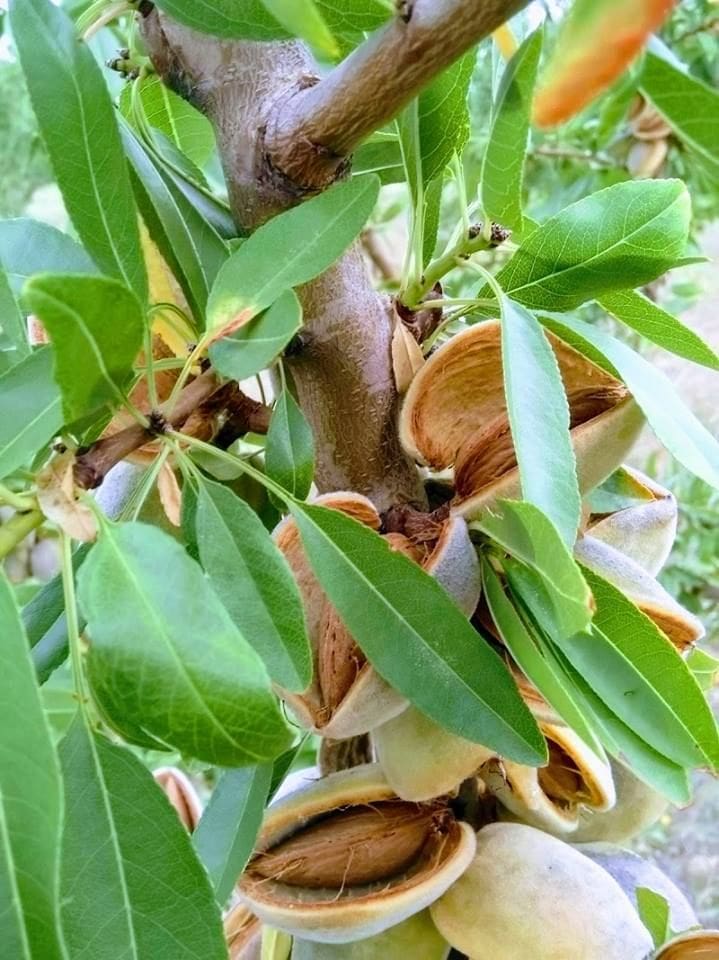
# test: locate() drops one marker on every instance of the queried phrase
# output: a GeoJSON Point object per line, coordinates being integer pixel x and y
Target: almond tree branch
{"type": "Point", "coordinates": [315, 131]}
{"type": "Point", "coordinates": [201, 409]}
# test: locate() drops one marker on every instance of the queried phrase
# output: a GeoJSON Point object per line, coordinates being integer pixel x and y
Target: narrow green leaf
{"type": "Point", "coordinates": [619, 491]}
{"type": "Point", "coordinates": [226, 834]}
{"type": "Point", "coordinates": [670, 419]}
{"type": "Point", "coordinates": [30, 410]}
{"type": "Point", "coordinates": [96, 325]}
{"type": "Point", "coordinates": [255, 583]}
{"type": "Point", "coordinates": [189, 244]}
{"type": "Point", "coordinates": [189, 130]}
{"type": "Point", "coordinates": [651, 321]}
{"type": "Point", "coordinates": [689, 106]}
{"type": "Point", "coordinates": [655, 914]}
{"type": "Point", "coordinates": [444, 117]}
{"type": "Point", "coordinates": [30, 804]}
{"type": "Point", "coordinates": [290, 452]}
{"type": "Point", "coordinates": [258, 343]}
{"type": "Point", "coordinates": [539, 417]}
{"type": "Point", "coordinates": [291, 249]}
{"type": "Point", "coordinates": [303, 18]}
{"type": "Point", "coordinates": [529, 657]}
{"type": "Point", "coordinates": [167, 665]}
{"type": "Point", "coordinates": [28, 247]}
{"type": "Point", "coordinates": [66, 83]}
{"type": "Point", "coordinates": [251, 20]}
{"type": "Point", "coordinates": [616, 239]}
{"type": "Point", "coordinates": [642, 643]}
{"type": "Point", "coordinates": [502, 178]}
{"type": "Point", "coordinates": [669, 778]}
{"type": "Point", "coordinates": [528, 535]}
{"type": "Point", "coordinates": [45, 623]}
{"type": "Point", "coordinates": [383, 157]}
{"type": "Point", "coordinates": [410, 630]}
{"type": "Point", "coordinates": [14, 344]}
{"type": "Point", "coordinates": [705, 668]}
{"type": "Point", "coordinates": [132, 886]}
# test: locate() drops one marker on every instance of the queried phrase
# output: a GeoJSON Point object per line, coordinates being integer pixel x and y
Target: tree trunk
{"type": "Point", "coordinates": [284, 134]}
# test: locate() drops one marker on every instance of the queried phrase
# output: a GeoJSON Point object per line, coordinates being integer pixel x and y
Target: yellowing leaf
{"type": "Point", "coordinates": [599, 40]}
{"type": "Point", "coordinates": [170, 494]}
{"type": "Point", "coordinates": [56, 496]}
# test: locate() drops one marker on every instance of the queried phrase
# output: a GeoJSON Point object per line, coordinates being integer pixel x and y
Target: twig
{"type": "Point", "coordinates": [373, 248]}
{"type": "Point", "coordinates": [201, 409]}
{"type": "Point", "coordinates": [568, 153]}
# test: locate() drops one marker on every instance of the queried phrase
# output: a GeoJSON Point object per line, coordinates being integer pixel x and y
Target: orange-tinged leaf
{"type": "Point", "coordinates": [170, 494]}
{"type": "Point", "coordinates": [56, 496]}
{"type": "Point", "coordinates": [599, 41]}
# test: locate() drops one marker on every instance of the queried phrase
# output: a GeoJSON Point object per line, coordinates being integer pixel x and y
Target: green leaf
{"type": "Point", "coordinates": [14, 344]}
{"type": "Point", "coordinates": [258, 343]}
{"type": "Point", "coordinates": [291, 249]}
{"type": "Point", "coordinates": [641, 314]}
{"type": "Point", "coordinates": [290, 452]}
{"type": "Point", "coordinates": [189, 244]}
{"type": "Point", "coordinates": [45, 622]}
{"type": "Point", "coordinates": [382, 157]}
{"type": "Point", "coordinates": [302, 18]}
{"type": "Point", "coordinates": [167, 665]}
{"type": "Point", "coordinates": [670, 419]}
{"type": "Point", "coordinates": [251, 20]}
{"type": "Point", "coordinates": [502, 179]}
{"type": "Point", "coordinates": [619, 491]}
{"type": "Point", "coordinates": [410, 630]}
{"type": "Point", "coordinates": [534, 664]}
{"type": "Point", "coordinates": [646, 647]}
{"type": "Point", "coordinates": [621, 237]}
{"type": "Point", "coordinates": [705, 668]}
{"type": "Point", "coordinates": [526, 534]}
{"type": "Point", "coordinates": [655, 914]}
{"type": "Point", "coordinates": [187, 128]}
{"type": "Point", "coordinates": [226, 834]}
{"type": "Point", "coordinates": [621, 741]}
{"type": "Point", "coordinates": [96, 326]}
{"type": "Point", "coordinates": [30, 804]}
{"type": "Point", "coordinates": [539, 418]}
{"type": "Point", "coordinates": [689, 106]}
{"type": "Point", "coordinates": [28, 247]}
{"type": "Point", "coordinates": [66, 85]}
{"type": "Point", "coordinates": [254, 581]}
{"type": "Point", "coordinates": [132, 885]}
{"type": "Point", "coordinates": [30, 410]}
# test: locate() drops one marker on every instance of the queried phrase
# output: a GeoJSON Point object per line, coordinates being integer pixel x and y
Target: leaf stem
{"type": "Point", "coordinates": [21, 502]}
{"type": "Point", "coordinates": [73, 623]}
{"type": "Point", "coordinates": [17, 528]}
{"type": "Point", "coordinates": [237, 462]}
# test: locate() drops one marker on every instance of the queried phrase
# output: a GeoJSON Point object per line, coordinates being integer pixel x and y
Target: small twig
{"type": "Point", "coordinates": [569, 153]}
{"type": "Point", "coordinates": [201, 410]}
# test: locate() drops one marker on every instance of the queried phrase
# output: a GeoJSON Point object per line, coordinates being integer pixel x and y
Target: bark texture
{"type": "Point", "coordinates": [284, 134]}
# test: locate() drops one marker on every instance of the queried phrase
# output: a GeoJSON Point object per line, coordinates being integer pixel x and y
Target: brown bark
{"type": "Point", "coordinates": [282, 134]}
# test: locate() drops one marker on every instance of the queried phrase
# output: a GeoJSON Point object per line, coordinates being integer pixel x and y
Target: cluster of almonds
{"type": "Point", "coordinates": [391, 859]}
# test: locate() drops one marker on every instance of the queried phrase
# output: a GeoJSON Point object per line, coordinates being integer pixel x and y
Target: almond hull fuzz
{"type": "Point", "coordinates": [644, 533]}
{"type": "Point", "coordinates": [344, 859]}
{"type": "Point", "coordinates": [415, 939]}
{"type": "Point", "coordinates": [637, 807]}
{"type": "Point", "coordinates": [454, 415]}
{"type": "Point", "coordinates": [421, 760]}
{"type": "Point", "coordinates": [631, 872]}
{"type": "Point", "coordinates": [527, 894]}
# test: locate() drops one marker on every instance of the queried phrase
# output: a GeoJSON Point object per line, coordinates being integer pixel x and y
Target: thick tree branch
{"type": "Point", "coordinates": [316, 130]}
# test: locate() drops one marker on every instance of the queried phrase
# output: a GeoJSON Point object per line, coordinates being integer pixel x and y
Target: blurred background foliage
{"type": "Point", "coordinates": [596, 149]}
